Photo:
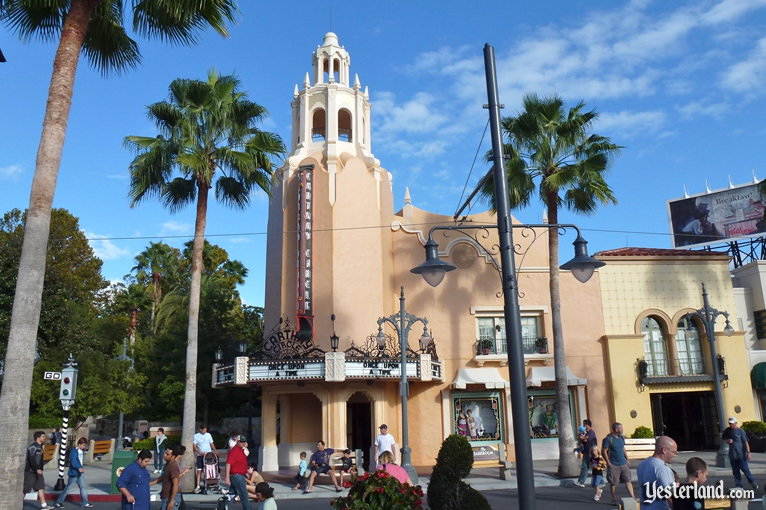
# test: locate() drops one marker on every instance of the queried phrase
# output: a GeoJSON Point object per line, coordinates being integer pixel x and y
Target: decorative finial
{"type": "Point", "coordinates": [295, 91]}
{"type": "Point", "coordinates": [686, 192]}
{"type": "Point", "coordinates": [407, 199]}
{"type": "Point", "coordinates": [306, 82]}
{"type": "Point", "coordinates": [366, 92]}
{"type": "Point", "coordinates": [357, 85]}
{"type": "Point", "coordinates": [731, 184]}
{"type": "Point", "coordinates": [755, 179]}
{"type": "Point", "coordinates": [707, 186]}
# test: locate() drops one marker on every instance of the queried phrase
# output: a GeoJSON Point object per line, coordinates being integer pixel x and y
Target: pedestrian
{"type": "Point", "coordinates": [398, 472]}
{"type": "Point", "coordinates": [236, 471]}
{"type": "Point", "coordinates": [133, 483]}
{"type": "Point", "coordinates": [252, 479]}
{"type": "Point", "coordinates": [617, 462]}
{"type": "Point", "coordinates": [598, 465]}
{"type": "Point", "coordinates": [347, 467]}
{"type": "Point", "coordinates": [696, 475]}
{"type": "Point", "coordinates": [302, 477]}
{"type": "Point", "coordinates": [384, 442]}
{"type": "Point", "coordinates": [160, 443]}
{"type": "Point", "coordinates": [587, 441]}
{"type": "Point", "coordinates": [171, 492]}
{"type": "Point", "coordinates": [739, 453]}
{"type": "Point", "coordinates": [320, 463]}
{"type": "Point", "coordinates": [654, 475]}
{"type": "Point", "coordinates": [33, 468]}
{"type": "Point", "coordinates": [203, 443]}
{"type": "Point", "coordinates": [76, 475]}
{"type": "Point", "coordinates": [56, 436]}
{"type": "Point", "coordinates": [264, 494]}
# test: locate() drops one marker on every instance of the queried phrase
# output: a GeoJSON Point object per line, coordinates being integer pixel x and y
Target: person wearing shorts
{"type": "Point", "coordinates": [320, 464]}
{"type": "Point", "coordinates": [33, 468]}
{"type": "Point", "coordinates": [617, 463]}
{"type": "Point", "coordinates": [203, 443]}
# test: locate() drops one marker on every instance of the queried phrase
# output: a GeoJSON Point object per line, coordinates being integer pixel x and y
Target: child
{"type": "Point", "coordinates": [598, 464]}
{"type": "Point", "coordinates": [301, 478]}
{"type": "Point", "coordinates": [580, 441]}
{"type": "Point", "coordinates": [696, 474]}
{"type": "Point", "coordinates": [347, 467]}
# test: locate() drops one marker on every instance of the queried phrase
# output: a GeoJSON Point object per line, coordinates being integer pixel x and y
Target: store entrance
{"type": "Point", "coordinates": [688, 417]}
{"type": "Point", "coordinates": [359, 412]}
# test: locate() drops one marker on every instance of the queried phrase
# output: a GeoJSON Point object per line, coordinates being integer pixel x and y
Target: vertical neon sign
{"type": "Point", "coordinates": [305, 280]}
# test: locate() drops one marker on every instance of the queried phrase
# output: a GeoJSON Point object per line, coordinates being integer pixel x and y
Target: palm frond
{"type": "Point", "coordinates": [107, 45]}
{"type": "Point", "coordinates": [177, 21]}
{"type": "Point", "coordinates": [178, 193]}
{"type": "Point", "coordinates": [42, 19]}
{"type": "Point", "coordinates": [232, 192]}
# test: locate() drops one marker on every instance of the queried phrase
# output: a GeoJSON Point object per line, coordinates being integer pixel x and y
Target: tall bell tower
{"type": "Point", "coordinates": [329, 200]}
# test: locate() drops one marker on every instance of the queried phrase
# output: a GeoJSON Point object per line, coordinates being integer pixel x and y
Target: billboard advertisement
{"type": "Point", "coordinates": [718, 216]}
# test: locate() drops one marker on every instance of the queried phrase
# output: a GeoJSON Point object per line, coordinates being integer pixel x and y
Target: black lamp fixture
{"type": "Point", "coordinates": [424, 340]}
{"type": "Point", "coordinates": [381, 338]}
{"type": "Point", "coordinates": [582, 265]}
{"type": "Point", "coordinates": [242, 347]}
{"type": "Point", "coordinates": [334, 340]}
{"type": "Point", "coordinates": [433, 269]}
{"type": "Point", "coordinates": [218, 354]}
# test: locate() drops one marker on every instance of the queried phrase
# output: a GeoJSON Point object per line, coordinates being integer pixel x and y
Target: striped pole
{"type": "Point", "coordinates": [62, 451]}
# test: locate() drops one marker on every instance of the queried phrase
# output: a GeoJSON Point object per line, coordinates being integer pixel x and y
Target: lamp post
{"type": "Point", "coordinates": [433, 270]}
{"type": "Point", "coordinates": [708, 316]}
{"type": "Point", "coordinates": [120, 423]}
{"type": "Point", "coordinates": [403, 322]}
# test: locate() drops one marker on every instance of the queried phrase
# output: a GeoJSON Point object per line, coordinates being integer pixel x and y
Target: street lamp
{"type": "Point", "coordinates": [708, 316]}
{"type": "Point", "coordinates": [120, 423]}
{"type": "Point", "coordinates": [402, 323]}
{"type": "Point", "coordinates": [334, 340]}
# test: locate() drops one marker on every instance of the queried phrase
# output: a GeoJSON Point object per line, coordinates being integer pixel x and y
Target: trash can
{"type": "Point", "coordinates": [121, 459]}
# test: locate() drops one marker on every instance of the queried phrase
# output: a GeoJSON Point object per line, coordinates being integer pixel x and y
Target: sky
{"type": "Point", "coordinates": [678, 84]}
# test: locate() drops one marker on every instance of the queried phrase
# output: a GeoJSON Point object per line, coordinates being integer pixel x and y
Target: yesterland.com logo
{"type": "Point", "coordinates": [653, 491]}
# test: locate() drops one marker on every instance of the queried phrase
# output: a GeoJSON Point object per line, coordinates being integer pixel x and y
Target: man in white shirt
{"type": "Point", "coordinates": [384, 443]}
{"type": "Point", "coordinates": [203, 443]}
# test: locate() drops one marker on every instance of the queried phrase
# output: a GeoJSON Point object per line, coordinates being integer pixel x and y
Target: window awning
{"type": "Point", "coordinates": [538, 375]}
{"type": "Point", "coordinates": [758, 376]}
{"type": "Point", "coordinates": [490, 378]}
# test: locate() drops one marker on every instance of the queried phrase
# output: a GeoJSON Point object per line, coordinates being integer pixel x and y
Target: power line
{"type": "Point", "coordinates": [462, 194]}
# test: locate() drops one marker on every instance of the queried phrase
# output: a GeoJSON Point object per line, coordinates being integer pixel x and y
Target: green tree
{"type": "Point", "coordinates": [95, 28]}
{"type": "Point", "coordinates": [553, 154]}
{"type": "Point", "coordinates": [157, 267]}
{"type": "Point", "coordinates": [208, 137]}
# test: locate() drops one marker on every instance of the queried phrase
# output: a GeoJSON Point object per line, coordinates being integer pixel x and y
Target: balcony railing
{"type": "Point", "coordinates": [667, 369]}
{"type": "Point", "coordinates": [530, 345]}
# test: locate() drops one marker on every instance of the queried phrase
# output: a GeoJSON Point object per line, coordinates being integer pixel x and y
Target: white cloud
{"type": "Point", "coordinates": [11, 172]}
{"type": "Point", "coordinates": [104, 248]}
{"type": "Point", "coordinates": [417, 115]}
{"type": "Point", "coordinates": [121, 177]}
{"type": "Point", "coordinates": [239, 240]}
{"type": "Point", "coordinates": [628, 123]}
{"type": "Point", "coordinates": [175, 227]}
{"type": "Point", "coordinates": [748, 75]}
{"type": "Point", "coordinates": [703, 108]}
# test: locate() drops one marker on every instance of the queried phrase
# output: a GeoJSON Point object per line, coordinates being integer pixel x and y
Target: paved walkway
{"type": "Point", "coordinates": [482, 479]}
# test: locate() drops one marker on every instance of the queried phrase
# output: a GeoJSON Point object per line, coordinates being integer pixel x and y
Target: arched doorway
{"type": "Point", "coordinates": [359, 424]}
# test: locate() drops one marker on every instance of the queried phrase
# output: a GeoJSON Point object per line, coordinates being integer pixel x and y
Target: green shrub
{"type": "Point", "coordinates": [378, 491]}
{"type": "Point", "coordinates": [148, 444]}
{"type": "Point", "coordinates": [455, 457]}
{"type": "Point", "coordinates": [642, 432]}
{"type": "Point", "coordinates": [754, 428]}
{"type": "Point", "coordinates": [446, 491]}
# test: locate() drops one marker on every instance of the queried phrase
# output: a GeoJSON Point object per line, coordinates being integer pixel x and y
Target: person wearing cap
{"type": "Point", "coordinates": [265, 495]}
{"type": "Point", "coordinates": [236, 471]}
{"type": "Point", "coordinates": [739, 452]}
{"type": "Point", "coordinates": [384, 443]}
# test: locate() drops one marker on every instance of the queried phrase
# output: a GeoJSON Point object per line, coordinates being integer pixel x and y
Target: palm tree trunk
{"type": "Point", "coordinates": [567, 461]}
{"type": "Point", "coordinates": [25, 317]}
{"type": "Point", "coordinates": [190, 394]}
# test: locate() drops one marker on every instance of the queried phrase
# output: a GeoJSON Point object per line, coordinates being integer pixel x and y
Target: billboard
{"type": "Point", "coordinates": [718, 216]}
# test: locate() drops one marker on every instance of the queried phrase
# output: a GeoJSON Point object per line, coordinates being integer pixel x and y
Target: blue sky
{"type": "Point", "coordinates": [679, 84]}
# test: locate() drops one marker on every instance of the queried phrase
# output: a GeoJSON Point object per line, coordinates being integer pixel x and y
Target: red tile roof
{"type": "Point", "coordinates": [629, 251]}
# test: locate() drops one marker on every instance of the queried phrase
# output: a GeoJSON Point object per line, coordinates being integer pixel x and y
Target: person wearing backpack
{"type": "Point", "coordinates": [617, 462]}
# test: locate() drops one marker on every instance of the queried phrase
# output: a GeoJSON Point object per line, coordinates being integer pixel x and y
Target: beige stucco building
{"type": "Point", "coordinates": [337, 248]}
{"type": "Point", "coordinates": [658, 357]}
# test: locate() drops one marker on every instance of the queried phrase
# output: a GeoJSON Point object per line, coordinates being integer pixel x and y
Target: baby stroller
{"type": "Point", "coordinates": [210, 473]}
{"type": "Point", "coordinates": [224, 502]}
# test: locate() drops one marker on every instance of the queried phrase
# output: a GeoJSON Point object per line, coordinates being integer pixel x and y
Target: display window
{"type": "Point", "coordinates": [478, 416]}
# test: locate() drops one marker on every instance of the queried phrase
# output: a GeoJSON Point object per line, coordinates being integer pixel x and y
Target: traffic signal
{"type": "Point", "coordinates": [68, 383]}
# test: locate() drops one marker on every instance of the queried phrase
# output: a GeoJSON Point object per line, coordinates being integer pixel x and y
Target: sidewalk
{"type": "Point", "coordinates": [483, 479]}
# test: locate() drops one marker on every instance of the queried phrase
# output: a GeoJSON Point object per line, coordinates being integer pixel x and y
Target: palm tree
{"type": "Point", "coordinates": [95, 28]}
{"type": "Point", "coordinates": [206, 128]}
{"type": "Point", "coordinates": [157, 266]}
{"type": "Point", "coordinates": [132, 300]}
{"type": "Point", "coordinates": [557, 149]}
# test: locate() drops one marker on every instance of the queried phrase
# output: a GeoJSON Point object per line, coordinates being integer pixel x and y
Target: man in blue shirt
{"type": "Point", "coordinates": [655, 477]}
{"type": "Point", "coordinates": [739, 452]}
{"type": "Point", "coordinates": [617, 463]}
{"type": "Point", "coordinates": [587, 441]}
{"type": "Point", "coordinates": [320, 463]}
{"type": "Point", "coordinates": [133, 483]}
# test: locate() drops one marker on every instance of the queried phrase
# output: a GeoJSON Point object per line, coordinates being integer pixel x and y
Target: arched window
{"type": "Point", "coordinates": [344, 125]}
{"type": "Point", "coordinates": [318, 125]}
{"type": "Point", "coordinates": [688, 347]}
{"type": "Point", "coordinates": [655, 351]}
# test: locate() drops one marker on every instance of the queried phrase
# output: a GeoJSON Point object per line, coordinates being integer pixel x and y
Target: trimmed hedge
{"type": "Point", "coordinates": [446, 490]}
